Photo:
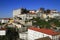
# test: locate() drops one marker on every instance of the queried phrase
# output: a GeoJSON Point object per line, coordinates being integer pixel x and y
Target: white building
{"type": "Point", "coordinates": [2, 32]}
{"type": "Point", "coordinates": [16, 12]}
{"type": "Point", "coordinates": [4, 20]}
{"type": "Point", "coordinates": [39, 13]}
{"type": "Point", "coordinates": [20, 17]}
{"type": "Point", "coordinates": [54, 13]}
{"type": "Point", "coordinates": [35, 33]}
{"type": "Point", "coordinates": [30, 16]}
{"type": "Point", "coordinates": [18, 25]}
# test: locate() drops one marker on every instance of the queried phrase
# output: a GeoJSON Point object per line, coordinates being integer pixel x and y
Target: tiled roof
{"type": "Point", "coordinates": [44, 30]}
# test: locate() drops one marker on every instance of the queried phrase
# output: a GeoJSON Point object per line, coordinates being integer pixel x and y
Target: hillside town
{"type": "Point", "coordinates": [41, 24]}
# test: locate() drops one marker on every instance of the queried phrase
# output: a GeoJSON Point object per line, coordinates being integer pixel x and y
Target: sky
{"type": "Point", "coordinates": [7, 6]}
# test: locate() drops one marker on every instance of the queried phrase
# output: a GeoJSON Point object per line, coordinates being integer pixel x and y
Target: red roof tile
{"type": "Point", "coordinates": [46, 31]}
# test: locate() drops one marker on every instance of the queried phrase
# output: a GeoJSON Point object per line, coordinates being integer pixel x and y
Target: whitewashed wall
{"type": "Point", "coordinates": [4, 21]}
{"type": "Point", "coordinates": [23, 16]}
{"type": "Point", "coordinates": [2, 32]}
{"type": "Point", "coordinates": [18, 25]}
{"type": "Point", "coordinates": [56, 37]}
{"type": "Point", "coordinates": [35, 35]}
{"type": "Point", "coordinates": [16, 12]}
{"type": "Point", "coordinates": [28, 23]}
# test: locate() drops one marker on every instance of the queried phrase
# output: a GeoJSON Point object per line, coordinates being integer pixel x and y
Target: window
{"type": "Point", "coordinates": [55, 37]}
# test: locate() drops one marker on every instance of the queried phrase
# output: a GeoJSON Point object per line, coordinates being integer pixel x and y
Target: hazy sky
{"type": "Point", "coordinates": [7, 6]}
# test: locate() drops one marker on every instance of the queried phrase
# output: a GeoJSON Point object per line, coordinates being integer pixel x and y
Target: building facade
{"type": "Point", "coordinates": [35, 33]}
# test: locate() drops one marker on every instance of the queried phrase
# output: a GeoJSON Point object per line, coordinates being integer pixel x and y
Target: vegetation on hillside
{"type": "Point", "coordinates": [45, 24]}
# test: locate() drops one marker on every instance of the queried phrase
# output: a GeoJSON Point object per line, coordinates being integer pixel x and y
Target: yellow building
{"type": "Point", "coordinates": [11, 21]}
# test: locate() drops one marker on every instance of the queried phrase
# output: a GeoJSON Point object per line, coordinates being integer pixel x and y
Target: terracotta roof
{"type": "Point", "coordinates": [44, 30]}
{"type": "Point", "coordinates": [44, 38]}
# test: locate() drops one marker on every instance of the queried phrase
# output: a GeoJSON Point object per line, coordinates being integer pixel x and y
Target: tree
{"type": "Point", "coordinates": [48, 11]}
{"type": "Point", "coordinates": [46, 24]}
{"type": "Point", "coordinates": [55, 21]}
{"type": "Point", "coordinates": [12, 34]}
{"type": "Point", "coordinates": [41, 23]}
{"type": "Point", "coordinates": [24, 11]}
{"type": "Point", "coordinates": [42, 9]}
